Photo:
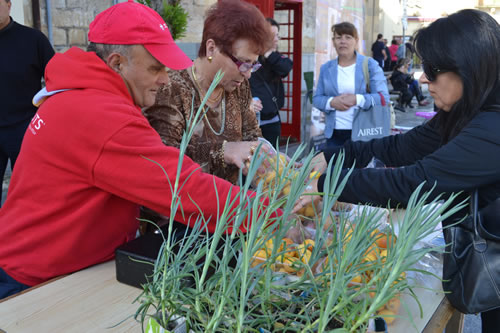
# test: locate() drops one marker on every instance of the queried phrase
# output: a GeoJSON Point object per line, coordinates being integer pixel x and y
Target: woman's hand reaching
{"type": "Point", "coordinates": [240, 152]}
{"type": "Point", "coordinates": [307, 196]}
{"type": "Point", "coordinates": [319, 163]}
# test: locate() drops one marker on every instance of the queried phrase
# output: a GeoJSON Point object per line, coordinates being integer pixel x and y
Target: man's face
{"type": "Point", "coordinates": [4, 13]}
{"type": "Point", "coordinates": [143, 75]}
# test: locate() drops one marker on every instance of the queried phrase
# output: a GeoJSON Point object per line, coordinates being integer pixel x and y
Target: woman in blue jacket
{"type": "Point", "coordinates": [341, 88]}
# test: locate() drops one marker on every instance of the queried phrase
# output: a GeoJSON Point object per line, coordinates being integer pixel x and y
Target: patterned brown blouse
{"type": "Point", "coordinates": [172, 110]}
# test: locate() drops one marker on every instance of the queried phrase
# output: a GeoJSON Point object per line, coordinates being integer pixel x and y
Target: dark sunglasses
{"type": "Point", "coordinates": [245, 66]}
{"type": "Point", "coordinates": [431, 72]}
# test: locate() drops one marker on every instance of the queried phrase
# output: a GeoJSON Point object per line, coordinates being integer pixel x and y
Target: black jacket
{"type": "Point", "coordinates": [400, 80]}
{"type": "Point", "coordinates": [24, 52]}
{"type": "Point", "coordinates": [273, 69]}
{"type": "Point", "coordinates": [468, 161]}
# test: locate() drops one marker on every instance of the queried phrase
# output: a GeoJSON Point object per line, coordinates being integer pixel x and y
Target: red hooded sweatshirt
{"type": "Point", "coordinates": [83, 171]}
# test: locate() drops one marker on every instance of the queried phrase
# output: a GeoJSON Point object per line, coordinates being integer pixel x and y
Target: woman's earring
{"type": "Point", "coordinates": [210, 58]}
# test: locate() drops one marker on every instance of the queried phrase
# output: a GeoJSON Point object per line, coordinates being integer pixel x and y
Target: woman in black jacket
{"type": "Point", "coordinates": [402, 81]}
{"type": "Point", "coordinates": [459, 148]}
{"type": "Point", "coordinates": [267, 85]}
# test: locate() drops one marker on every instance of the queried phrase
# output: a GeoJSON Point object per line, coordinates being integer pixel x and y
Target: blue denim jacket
{"type": "Point", "coordinates": [327, 87]}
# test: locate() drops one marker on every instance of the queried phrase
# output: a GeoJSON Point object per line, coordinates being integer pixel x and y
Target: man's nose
{"type": "Point", "coordinates": [163, 78]}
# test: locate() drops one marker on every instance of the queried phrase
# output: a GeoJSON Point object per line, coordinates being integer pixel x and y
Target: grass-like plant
{"type": "Point", "coordinates": [208, 279]}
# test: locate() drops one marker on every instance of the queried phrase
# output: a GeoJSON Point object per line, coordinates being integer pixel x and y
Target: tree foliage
{"type": "Point", "coordinates": [172, 13]}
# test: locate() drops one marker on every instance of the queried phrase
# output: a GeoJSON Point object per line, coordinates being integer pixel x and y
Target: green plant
{"type": "Point", "coordinates": [208, 279]}
{"type": "Point", "coordinates": [174, 16]}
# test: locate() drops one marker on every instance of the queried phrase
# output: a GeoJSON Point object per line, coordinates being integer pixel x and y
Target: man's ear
{"type": "Point", "coordinates": [115, 61]}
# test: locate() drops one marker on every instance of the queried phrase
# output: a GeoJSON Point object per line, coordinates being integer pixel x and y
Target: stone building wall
{"type": "Point", "coordinates": [71, 18]}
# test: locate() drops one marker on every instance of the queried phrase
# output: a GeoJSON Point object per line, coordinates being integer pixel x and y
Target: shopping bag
{"type": "Point", "coordinates": [374, 122]}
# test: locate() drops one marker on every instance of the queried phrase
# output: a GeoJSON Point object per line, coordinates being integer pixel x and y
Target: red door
{"type": "Point", "coordinates": [288, 13]}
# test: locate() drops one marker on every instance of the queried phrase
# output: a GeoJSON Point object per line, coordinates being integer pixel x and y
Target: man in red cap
{"type": "Point", "coordinates": [85, 164]}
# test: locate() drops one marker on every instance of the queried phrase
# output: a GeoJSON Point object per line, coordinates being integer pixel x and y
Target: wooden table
{"type": "Point", "coordinates": [92, 300]}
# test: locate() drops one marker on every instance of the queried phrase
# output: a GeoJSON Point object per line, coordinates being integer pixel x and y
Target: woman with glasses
{"type": "Point", "coordinates": [341, 87]}
{"type": "Point", "coordinates": [458, 150]}
{"type": "Point", "coordinates": [235, 33]}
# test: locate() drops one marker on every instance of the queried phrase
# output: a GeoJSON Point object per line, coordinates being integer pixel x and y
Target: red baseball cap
{"type": "Point", "coordinates": [130, 23]}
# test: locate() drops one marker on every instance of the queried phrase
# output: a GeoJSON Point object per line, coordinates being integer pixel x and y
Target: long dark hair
{"type": "Point", "coordinates": [467, 43]}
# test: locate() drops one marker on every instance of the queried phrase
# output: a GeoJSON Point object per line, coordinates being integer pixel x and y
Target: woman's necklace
{"type": "Point", "coordinates": [204, 112]}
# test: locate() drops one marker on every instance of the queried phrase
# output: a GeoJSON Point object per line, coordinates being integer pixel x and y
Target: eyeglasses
{"type": "Point", "coordinates": [245, 66]}
{"type": "Point", "coordinates": [431, 72]}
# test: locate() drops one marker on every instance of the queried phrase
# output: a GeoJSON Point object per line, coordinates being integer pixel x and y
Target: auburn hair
{"type": "Point", "coordinates": [229, 20]}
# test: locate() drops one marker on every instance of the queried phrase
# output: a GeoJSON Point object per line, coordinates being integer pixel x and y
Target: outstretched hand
{"type": "Point", "coordinates": [307, 196]}
{"type": "Point", "coordinates": [319, 163]}
{"type": "Point", "coordinates": [240, 152]}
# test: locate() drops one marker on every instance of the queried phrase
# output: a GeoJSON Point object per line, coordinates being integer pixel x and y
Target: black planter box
{"type": "Point", "coordinates": [144, 248]}
{"type": "Point", "coordinates": [135, 259]}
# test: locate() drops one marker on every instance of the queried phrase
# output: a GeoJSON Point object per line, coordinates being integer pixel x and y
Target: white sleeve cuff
{"type": "Point", "coordinates": [360, 100]}
{"type": "Point", "coordinates": [328, 106]}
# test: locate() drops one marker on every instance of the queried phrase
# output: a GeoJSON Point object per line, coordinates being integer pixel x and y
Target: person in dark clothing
{"type": "Point", "coordinates": [24, 54]}
{"type": "Point", "coordinates": [402, 81]}
{"type": "Point", "coordinates": [458, 150]}
{"type": "Point", "coordinates": [267, 84]}
{"type": "Point", "coordinates": [387, 61]}
{"type": "Point", "coordinates": [378, 51]}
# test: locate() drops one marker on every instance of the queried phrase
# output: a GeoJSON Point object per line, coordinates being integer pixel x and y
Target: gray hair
{"type": "Point", "coordinates": [104, 50]}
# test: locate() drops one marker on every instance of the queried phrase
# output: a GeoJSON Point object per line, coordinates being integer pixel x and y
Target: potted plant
{"type": "Point", "coordinates": [217, 283]}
